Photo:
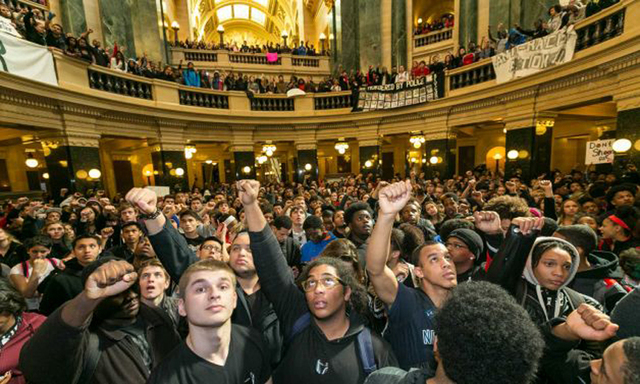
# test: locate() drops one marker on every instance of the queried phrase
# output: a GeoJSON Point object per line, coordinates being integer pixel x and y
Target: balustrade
{"type": "Point", "coordinates": [332, 102]}
{"type": "Point", "coordinates": [272, 104]}
{"type": "Point", "coordinates": [252, 59]}
{"type": "Point", "coordinates": [601, 30]}
{"type": "Point", "coordinates": [305, 62]}
{"type": "Point", "coordinates": [432, 37]}
{"type": "Point", "coordinates": [203, 99]}
{"type": "Point", "coordinates": [477, 74]}
{"type": "Point", "coordinates": [110, 82]}
{"type": "Point", "coordinates": [201, 56]}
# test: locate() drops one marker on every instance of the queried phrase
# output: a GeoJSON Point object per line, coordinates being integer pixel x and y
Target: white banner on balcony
{"type": "Point", "coordinates": [22, 58]}
{"type": "Point", "coordinates": [535, 55]}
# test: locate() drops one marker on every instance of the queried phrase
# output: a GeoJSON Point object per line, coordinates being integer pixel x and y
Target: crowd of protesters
{"type": "Point", "coordinates": [445, 22]}
{"type": "Point", "coordinates": [303, 49]}
{"type": "Point", "coordinates": [473, 279]}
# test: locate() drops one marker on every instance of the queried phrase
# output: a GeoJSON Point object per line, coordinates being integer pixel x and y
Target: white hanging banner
{"type": "Point", "coordinates": [535, 55]}
{"type": "Point", "coordinates": [600, 152]}
{"type": "Point", "coordinates": [23, 58]}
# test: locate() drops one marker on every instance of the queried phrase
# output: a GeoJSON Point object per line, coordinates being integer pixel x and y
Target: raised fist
{"type": "Point", "coordinates": [488, 222]}
{"type": "Point", "coordinates": [547, 187]}
{"type": "Point", "coordinates": [588, 323]}
{"type": "Point", "coordinates": [110, 279]}
{"type": "Point", "coordinates": [528, 224]}
{"type": "Point", "coordinates": [394, 197]}
{"type": "Point", "coordinates": [39, 267]}
{"type": "Point", "coordinates": [248, 191]}
{"type": "Point", "coordinates": [106, 232]}
{"type": "Point", "coordinates": [144, 199]}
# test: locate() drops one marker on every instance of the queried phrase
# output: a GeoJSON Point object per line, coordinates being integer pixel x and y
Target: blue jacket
{"type": "Point", "coordinates": [191, 78]}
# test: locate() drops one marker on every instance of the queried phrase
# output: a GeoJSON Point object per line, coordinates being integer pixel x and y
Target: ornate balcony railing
{"type": "Point", "coordinates": [608, 26]}
{"type": "Point", "coordinates": [332, 102]}
{"type": "Point", "coordinates": [203, 99]}
{"type": "Point", "coordinates": [598, 28]}
{"type": "Point", "coordinates": [242, 58]}
{"type": "Point", "coordinates": [121, 85]}
{"type": "Point", "coordinates": [272, 104]}
{"type": "Point", "coordinates": [199, 55]}
{"type": "Point", "coordinates": [305, 62]}
{"type": "Point", "coordinates": [432, 37]}
{"type": "Point", "coordinates": [474, 74]}
{"type": "Point", "coordinates": [19, 4]}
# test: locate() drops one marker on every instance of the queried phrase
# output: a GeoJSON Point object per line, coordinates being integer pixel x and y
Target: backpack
{"type": "Point", "coordinates": [365, 344]}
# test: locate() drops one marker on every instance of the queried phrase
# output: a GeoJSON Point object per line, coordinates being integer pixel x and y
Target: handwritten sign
{"type": "Point", "coordinates": [599, 152]}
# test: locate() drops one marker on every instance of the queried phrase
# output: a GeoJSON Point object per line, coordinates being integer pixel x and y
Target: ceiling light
{"type": "Point", "coordinates": [621, 145]}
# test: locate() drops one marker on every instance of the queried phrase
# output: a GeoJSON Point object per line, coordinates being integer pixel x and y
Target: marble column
{"type": "Point", "coordinates": [534, 147]}
{"type": "Point", "coordinates": [72, 17]}
{"type": "Point", "coordinates": [468, 22]}
{"type": "Point", "coordinates": [94, 21]}
{"type": "Point", "coordinates": [369, 33]}
{"type": "Point", "coordinates": [69, 162]}
{"type": "Point", "coordinates": [522, 141]}
{"type": "Point", "coordinates": [385, 31]}
{"type": "Point", "coordinates": [307, 163]}
{"type": "Point", "coordinates": [117, 25]}
{"type": "Point", "coordinates": [541, 154]}
{"type": "Point", "coordinates": [627, 128]}
{"type": "Point", "coordinates": [400, 32]}
{"type": "Point", "coordinates": [243, 164]}
{"type": "Point", "coordinates": [441, 157]}
{"type": "Point", "coordinates": [370, 159]}
{"type": "Point", "coordinates": [348, 34]}
{"type": "Point", "coordinates": [145, 19]}
{"type": "Point", "coordinates": [169, 161]}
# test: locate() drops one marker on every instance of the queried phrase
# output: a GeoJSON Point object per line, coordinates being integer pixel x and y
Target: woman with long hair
{"type": "Point", "coordinates": [61, 245]}
{"type": "Point", "coordinates": [11, 250]}
{"type": "Point", "coordinates": [569, 210]}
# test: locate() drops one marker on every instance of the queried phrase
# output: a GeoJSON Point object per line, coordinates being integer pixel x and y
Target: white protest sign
{"type": "Point", "coordinates": [599, 152]}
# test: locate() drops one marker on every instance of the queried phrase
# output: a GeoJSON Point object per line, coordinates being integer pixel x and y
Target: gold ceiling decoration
{"type": "Point", "coordinates": [256, 21]}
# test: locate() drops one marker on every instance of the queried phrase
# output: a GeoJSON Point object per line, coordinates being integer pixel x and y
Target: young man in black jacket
{"type": "Point", "coordinates": [253, 309]}
{"type": "Point", "coordinates": [103, 336]}
{"type": "Point", "coordinates": [326, 342]}
{"type": "Point", "coordinates": [598, 274]}
{"type": "Point", "coordinates": [411, 311]}
{"type": "Point", "coordinates": [68, 284]}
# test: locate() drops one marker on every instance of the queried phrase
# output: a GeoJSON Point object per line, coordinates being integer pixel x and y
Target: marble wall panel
{"type": "Point", "coordinates": [627, 128]}
{"type": "Point", "coordinates": [468, 24]}
{"type": "Point", "coordinates": [146, 16]}
{"type": "Point", "coordinates": [117, 25]}
{"type": "Point", "coordinates": [73, 18]}
{"type": "Point", "coordinates": [164, 162]}
{"type": "Point", "coordinates": [308, 156]}
{"type": "Point", "coordinates": [399, 33]}
{"type": "Point", "coordinates": [370, 41]}
{"type": "Point", "coordinates": [349, 54]}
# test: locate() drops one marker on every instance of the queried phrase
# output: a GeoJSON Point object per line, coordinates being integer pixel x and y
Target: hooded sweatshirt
{"type": "Point", "coordinates": [544, 304]}
{"type": "Point", "coordinates": [601, 281]}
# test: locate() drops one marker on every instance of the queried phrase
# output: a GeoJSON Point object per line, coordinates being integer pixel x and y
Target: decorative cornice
{"type": "Point", "coordinates": [305, 146]}
{"type": "Point", "coordinates": [241, 148]}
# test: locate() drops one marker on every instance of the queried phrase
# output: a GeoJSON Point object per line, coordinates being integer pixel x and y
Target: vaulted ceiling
{"type": "Point", "coordinates": [257, 21]}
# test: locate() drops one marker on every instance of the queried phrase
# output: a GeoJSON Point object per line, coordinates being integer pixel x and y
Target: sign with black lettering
{"type": "Point", "coordinates": [397, 95]}
{"type": "Point", "coordinates": [535, 55]}
{"type": "Point", "coordinates": [600, 152]}
{"type": "Point", "coordinates": [23, 58]}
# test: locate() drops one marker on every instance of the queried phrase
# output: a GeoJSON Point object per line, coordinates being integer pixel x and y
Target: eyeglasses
{"type": "Point", "coordinates": [210, 247]}
{"type": "Point", "coordinates": [456, 246]}
{"type": "Point", "coordinates": [329, 282]}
